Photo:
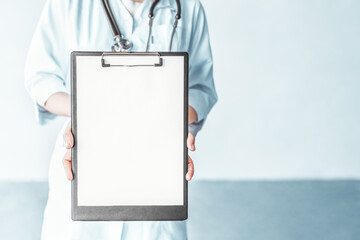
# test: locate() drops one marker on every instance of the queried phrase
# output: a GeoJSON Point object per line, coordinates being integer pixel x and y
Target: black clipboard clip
{"type": "Point", "coordinates": [156, 64]}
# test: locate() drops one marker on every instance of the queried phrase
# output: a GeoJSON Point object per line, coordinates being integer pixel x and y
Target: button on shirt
{"type": "Point", "coordinates": [81, 25]}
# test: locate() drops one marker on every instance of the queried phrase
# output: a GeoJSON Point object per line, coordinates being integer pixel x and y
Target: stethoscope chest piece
{"type": "Point", "coordinates": [121, 44]}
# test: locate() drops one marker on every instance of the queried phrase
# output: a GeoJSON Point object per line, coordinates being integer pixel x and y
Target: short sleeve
{"type": "Point", "coordinates": [46, 63]}
{"type": "Point", "coordinates": [202, 93]}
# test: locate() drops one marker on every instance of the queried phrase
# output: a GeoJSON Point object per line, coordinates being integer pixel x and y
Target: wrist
{"type": "Point", "coordinates": [192, 115]}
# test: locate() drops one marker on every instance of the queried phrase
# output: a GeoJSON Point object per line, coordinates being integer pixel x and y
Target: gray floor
{"type": "Point", "coordinates": [282, 210]}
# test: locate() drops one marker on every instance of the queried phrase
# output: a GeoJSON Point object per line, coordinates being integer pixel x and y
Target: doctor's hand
{"type": "Point", "coordinates": [191, 147]}
{"type": "Point", "coordinates": [69, 143]}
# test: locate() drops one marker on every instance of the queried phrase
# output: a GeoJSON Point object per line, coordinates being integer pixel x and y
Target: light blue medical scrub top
{"type": "Point", "coordinates": [75, 25]}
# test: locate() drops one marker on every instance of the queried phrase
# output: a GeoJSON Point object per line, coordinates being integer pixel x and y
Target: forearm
{"type": "Point", "coordinates": [59, 104]}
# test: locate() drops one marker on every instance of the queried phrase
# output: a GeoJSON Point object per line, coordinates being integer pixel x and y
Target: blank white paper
{"type": "Point", "coordinates": [130, 132]}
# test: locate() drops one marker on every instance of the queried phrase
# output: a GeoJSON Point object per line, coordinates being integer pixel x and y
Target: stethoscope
{"type": "Point", "coordinates": [123, 45]}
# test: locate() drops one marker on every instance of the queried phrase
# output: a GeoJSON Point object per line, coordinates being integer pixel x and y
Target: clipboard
{"type": "Point", "coordinates": [130, 124]}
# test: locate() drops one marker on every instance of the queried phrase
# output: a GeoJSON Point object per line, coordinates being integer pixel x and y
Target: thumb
{"type": "Point", "coordinates": [191, 141]}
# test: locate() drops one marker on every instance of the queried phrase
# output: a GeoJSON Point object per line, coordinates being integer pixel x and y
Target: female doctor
{"type": "Point", "coordinates": [69, 25]}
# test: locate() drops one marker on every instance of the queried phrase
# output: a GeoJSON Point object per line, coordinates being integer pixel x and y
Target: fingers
{"type": "Point", "coordinates": [191, 146]}
{"type": "Point", "coordinates": [191, 141]}
{"type": "Point", "coordinates": [190, 172]}
{"type": "Point", "coordinates": [68, 137]}
{"type": "Point", "coordinates": [67, 165]}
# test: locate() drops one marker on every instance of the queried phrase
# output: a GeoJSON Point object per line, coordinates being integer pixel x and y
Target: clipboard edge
{"type": "Point", "coordinates": [81, 213]}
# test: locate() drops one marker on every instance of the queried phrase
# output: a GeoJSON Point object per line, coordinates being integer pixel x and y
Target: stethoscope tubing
{"type": "Point", "coordinates": [122, 44]}
{"type": "Point", "coordinates": [110, 17]}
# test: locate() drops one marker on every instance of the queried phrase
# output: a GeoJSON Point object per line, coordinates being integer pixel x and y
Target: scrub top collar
{"type": "Point", "coordinates": [166, 4]}
{"type": "Point", "coordinates": [145, 6]}
{"type": "Point", "coordinates": [125, 21]}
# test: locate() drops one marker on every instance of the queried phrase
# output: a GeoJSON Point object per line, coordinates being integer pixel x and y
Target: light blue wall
{"type": "Point", "coordinates": [287, 74]}
{"type": "Point", "coordinates": [25, 147]}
